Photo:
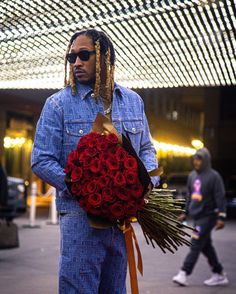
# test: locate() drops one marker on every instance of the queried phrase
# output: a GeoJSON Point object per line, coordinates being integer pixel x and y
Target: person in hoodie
{"type": "Point", "coordinates": [206, 205]}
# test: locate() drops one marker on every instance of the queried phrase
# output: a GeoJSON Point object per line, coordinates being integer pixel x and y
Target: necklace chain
{"type": "Point", "coordinates": [108, 110]}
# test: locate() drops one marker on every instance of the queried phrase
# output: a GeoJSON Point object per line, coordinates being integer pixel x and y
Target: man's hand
{"type": "Point", "coordinates": [150, 187]}
{"type": "Point", "coordinates": [220, 224]}
{"type": "Point", "coordinates": [182, 217]}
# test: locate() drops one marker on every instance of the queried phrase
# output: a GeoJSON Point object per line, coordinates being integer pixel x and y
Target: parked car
{"type": "Point", "coordinates": [230, 186]}
{"type": "Point", "coordinates": [16, 200]}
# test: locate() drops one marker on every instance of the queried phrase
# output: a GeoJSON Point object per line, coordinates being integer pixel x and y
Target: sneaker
{"type": "Point", "coordinates": [217, 280]}
{"type": "Point", "coordinates": [180, 278]}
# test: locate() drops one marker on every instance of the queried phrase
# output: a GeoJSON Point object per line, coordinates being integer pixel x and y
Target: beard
{"type": "Point", "coordinates": [88, 82]}
{"type": "Point", "coordinates": [83, 76]}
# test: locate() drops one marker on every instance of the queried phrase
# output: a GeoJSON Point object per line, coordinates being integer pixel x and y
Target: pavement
{"type": "Point", "coordinates": [32, 268]}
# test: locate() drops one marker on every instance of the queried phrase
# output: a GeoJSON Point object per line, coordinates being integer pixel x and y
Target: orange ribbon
{"type": "Point", "coordinates": [129, 238]}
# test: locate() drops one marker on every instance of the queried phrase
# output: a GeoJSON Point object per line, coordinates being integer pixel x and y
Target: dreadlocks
{"type": "Point", "coordinates": [103, 46]}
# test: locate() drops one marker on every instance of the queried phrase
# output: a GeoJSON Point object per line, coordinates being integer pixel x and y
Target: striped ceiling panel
{"type": "Point", "coordinates": [158, 43]}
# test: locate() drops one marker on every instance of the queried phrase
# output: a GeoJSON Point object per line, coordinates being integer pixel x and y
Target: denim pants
{"type": "Point", "coordinates": [202, 242]}
{"type": "Point", "coordinates": [92, 261]}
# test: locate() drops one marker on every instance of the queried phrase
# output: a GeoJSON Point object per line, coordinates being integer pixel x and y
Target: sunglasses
{"type": "Point", "coordinates": [83, 55]}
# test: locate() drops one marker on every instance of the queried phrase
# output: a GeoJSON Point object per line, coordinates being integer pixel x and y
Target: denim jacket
{"type": "Point", "coordinates": [66, 118]}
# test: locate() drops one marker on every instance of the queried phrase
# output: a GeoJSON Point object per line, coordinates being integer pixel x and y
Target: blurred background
{"type": "Point", "coordinates": [178, 55]}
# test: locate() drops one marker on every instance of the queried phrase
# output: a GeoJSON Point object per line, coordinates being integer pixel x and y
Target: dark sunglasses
{"type": "Point", "coordinates": [83, 55]}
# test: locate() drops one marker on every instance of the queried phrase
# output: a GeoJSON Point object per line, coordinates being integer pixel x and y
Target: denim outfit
{"type": "Point", "coordinates": [92, 260]}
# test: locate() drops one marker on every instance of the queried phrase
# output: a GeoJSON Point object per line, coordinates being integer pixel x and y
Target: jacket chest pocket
{"type": "Point", "coordinates": [134, 130]}
{"type": "Point", "coordinates": [74, 130]}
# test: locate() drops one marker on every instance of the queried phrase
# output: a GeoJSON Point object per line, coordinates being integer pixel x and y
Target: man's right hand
{"type": "Point", "coordinates": [182, 217]}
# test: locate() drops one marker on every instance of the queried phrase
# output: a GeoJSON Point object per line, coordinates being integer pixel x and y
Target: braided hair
{"type": "Point", "coordinates": [103, 46]}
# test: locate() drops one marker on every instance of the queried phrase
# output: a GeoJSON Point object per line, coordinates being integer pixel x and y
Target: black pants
{"type": "Point", "coordinates": [201, 242]}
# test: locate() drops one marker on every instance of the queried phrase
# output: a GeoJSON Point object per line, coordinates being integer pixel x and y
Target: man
{"type": "Point", "coordinates": [206, 205]}
{"type": "Point", "coordinates": [91, 260]}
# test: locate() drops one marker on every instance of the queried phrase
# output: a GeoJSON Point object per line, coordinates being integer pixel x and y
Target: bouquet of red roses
{"type": "Point", "coordinates": [110, 181]}
{"type": "Point", "coordinates": [105, 178]}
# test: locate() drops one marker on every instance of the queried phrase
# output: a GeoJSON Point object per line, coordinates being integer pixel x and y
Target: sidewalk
{"type": "Point", "coordinates": [32, 269]}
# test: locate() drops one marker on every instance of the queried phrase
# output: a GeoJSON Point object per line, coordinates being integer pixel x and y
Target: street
{"type": "Point", "coordinates": [32, 269]}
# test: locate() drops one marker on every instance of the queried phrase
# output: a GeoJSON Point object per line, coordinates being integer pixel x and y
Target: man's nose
{"type": "Point", "coordinates": [78, 62]}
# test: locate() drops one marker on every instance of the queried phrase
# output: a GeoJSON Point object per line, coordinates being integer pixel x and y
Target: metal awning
{"type": "Point", "coordinates": [158, 43]}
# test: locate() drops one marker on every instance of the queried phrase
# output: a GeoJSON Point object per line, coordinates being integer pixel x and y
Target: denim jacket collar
{"type": "Point", "coordinates": [83, 90]}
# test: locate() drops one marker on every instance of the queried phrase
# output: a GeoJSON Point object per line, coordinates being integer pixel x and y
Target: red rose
{"type": "Point", "coordinates": [130, 163]}
{"type": "Point", "coordinates": [92, 186]}
{"type": "Point", "coordinates": [131, 177]}
{"type": "Point", "coordinates": [117, 210]}
{"type": "Point", "coordinates": [119, 179]}
{"type": "Point", "coordinates": [87, 174]}
{"type": "Point", "coordinates": [112, 174]}
{"type": "Point", "coordinates": [95, 199]}
{"type": "Point", "coordinates": [112, 163]}
{"type": "Point", "coordinates": [107, 195]}
{"type": "Point", "coordinates": [137, 190]}
{"type": "Point", "coordinates": [92, 143]}
{"type": "Point", "coordinates": [94, 135]}
{"type": "Point", "coordinates": [104, 157]}
{"type": "Point", "coordinates": [90, 152]}
{"type": "Point", "coordinates": [76, 174]}
{"type": "Point", "coordinates": [83, 142]}
{"type": "Point", "coordinates": [76, 188]}
{"type": "Point", "coordinates": [82, 156]}
{"type": "Point", "coordinates": [122, 194]}
{"type": "Point", "coordinates": [131, 208]}
{"type": "Point", "coordinates": [69, 167]}
{"type": "Point", "coordinates": [84, 185]}
{"type": "Point", "coordinates": [112, 151]}
{"type": "Point", "coordinates": [73, 156]}
{"type": "Point", "coordinates": [87, 162]}
{"type": "Point", "coordinates": [103, 181]}
{"type": "Point", "coordinates": [112, 138]}
{"type": "Point", "coordinates": [95, 165]}
{"type": "Point", "coordinates": [84, 204]}
{"type": "Point", "coordinates": [103, 171]}
{"type": "Point", "coordinates": [120, 154]}
{"type": "Point", "coordinates": [102, 144]}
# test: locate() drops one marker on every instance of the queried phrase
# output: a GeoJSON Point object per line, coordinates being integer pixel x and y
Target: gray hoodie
{"type": "Point", "coordinates": [206, 192]}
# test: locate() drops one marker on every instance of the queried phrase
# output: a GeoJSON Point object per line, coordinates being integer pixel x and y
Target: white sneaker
{"type": "Point", "coordinates": [180, 278]}
{"type": "Point", "coordinates": [217, 280]}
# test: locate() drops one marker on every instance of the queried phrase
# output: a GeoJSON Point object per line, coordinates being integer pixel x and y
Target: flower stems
{"type": "Point", "coordinates": [158, 220]}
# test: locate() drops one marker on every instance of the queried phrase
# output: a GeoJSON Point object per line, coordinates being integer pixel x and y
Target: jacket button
{"type": "Point", "coordinates": [133, 130]}
{"type": "Point", "coordinates": [92, 95]}
{"type": "Point", "coordinates": [81, 132]}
